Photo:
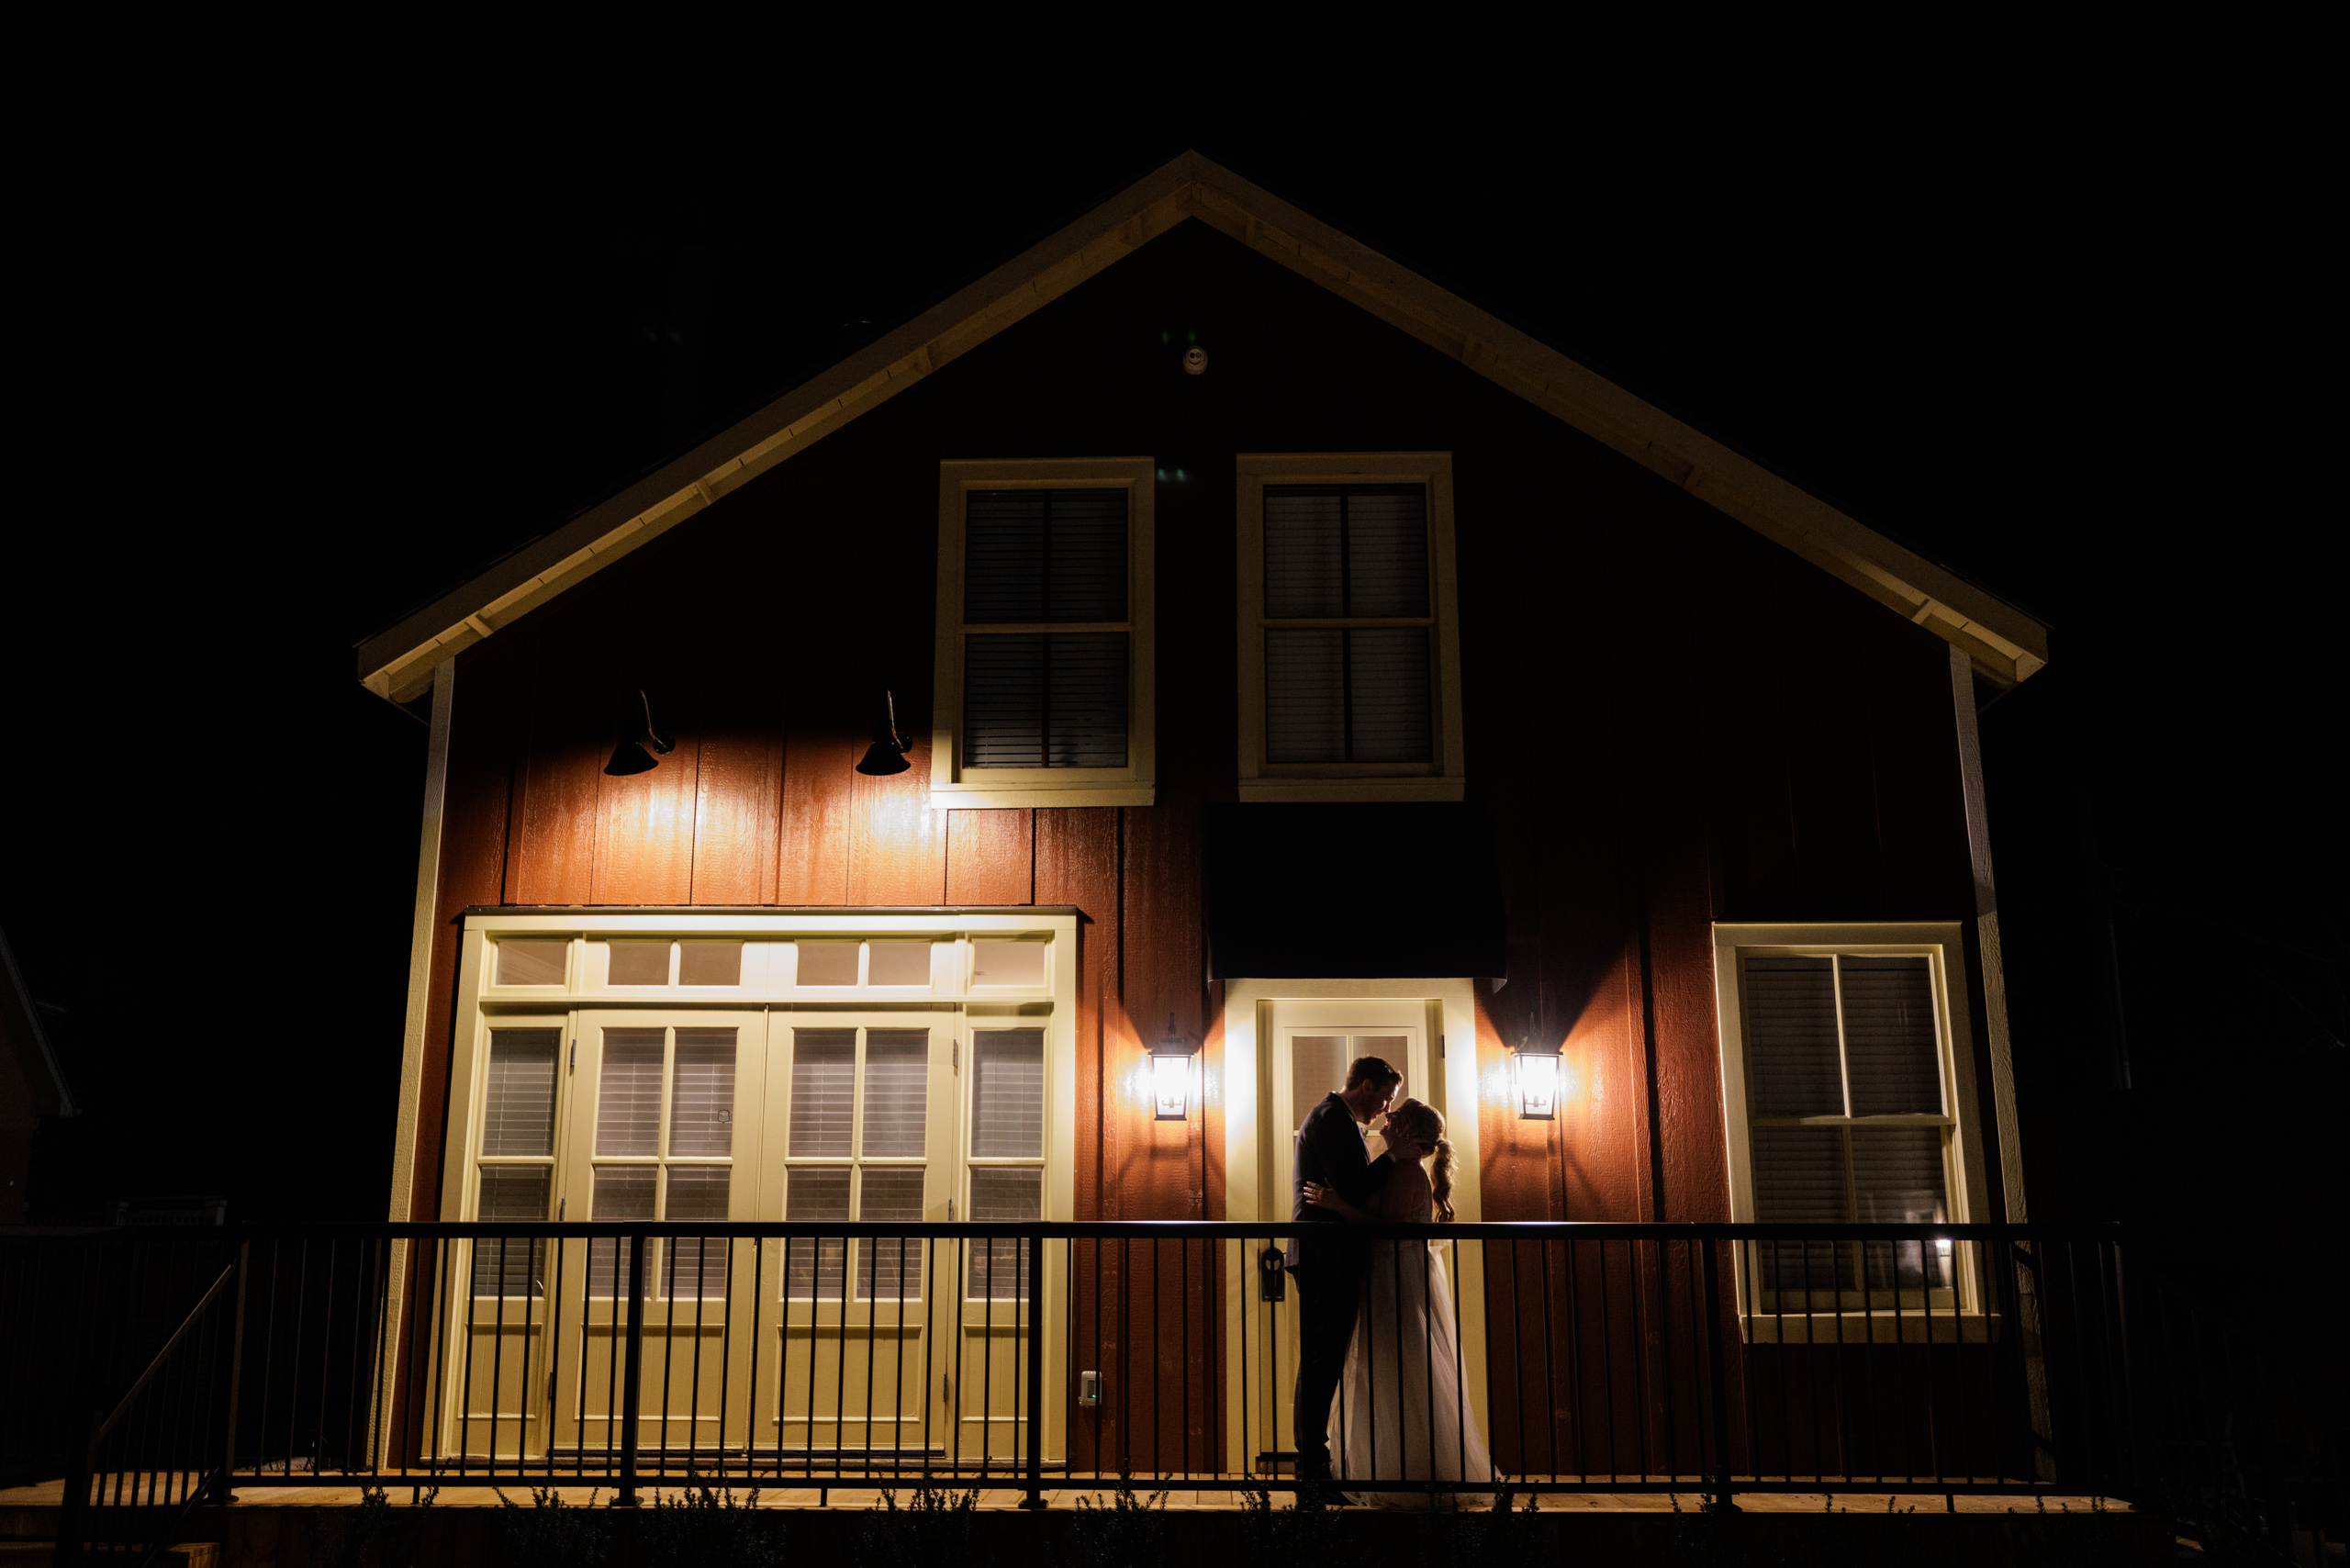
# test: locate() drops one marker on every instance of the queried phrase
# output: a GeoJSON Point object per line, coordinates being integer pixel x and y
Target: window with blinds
{"type": "Point", "coordinates": [1346, 624]}
{"type": "Point", "coordinates": [664, 1149]}
{"type": "Point", "coordinates": [1848, 1114]}
{"type": "Point", "coordinates": [516, 1163]}
{"type": "Point", "coordinates": [1047, 628]}
{"type": "Point", "coordinates": [1005, 1153]}
{"type": "Point", "coordinates": [857, 1150]}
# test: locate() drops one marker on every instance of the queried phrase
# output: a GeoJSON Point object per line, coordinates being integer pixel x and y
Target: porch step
{"type": "Point", "coordinates": [42, 1553]}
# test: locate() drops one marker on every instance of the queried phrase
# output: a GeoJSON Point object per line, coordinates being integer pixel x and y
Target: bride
{"type": "Point", "coordinates": [1400, 1397]}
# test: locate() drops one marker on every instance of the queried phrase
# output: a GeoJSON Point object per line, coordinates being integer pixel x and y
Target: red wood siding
{"type": "Point", "coordinates": [1670, 721]}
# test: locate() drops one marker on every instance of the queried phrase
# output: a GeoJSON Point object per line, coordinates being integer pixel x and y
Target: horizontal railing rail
{"type": "Point", "coordinates": [1699, 1359]}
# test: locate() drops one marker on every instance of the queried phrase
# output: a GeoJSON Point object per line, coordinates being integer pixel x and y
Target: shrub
{"type": "Point", "coordinates": [706, 1527]}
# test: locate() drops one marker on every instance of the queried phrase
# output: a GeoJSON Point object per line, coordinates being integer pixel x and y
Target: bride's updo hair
{"type": "Point", "coordinates": [1420, 1122]}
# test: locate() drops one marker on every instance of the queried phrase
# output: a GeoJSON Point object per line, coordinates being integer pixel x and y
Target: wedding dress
{"type": "Point", "coordinates": [1401, 1396]}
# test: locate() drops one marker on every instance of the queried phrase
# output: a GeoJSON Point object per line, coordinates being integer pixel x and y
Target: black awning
{"type": "Point", "coordinates": [1353, 892]}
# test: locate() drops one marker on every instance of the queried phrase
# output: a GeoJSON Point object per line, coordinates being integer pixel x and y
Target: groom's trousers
{"type": "Point", "coordinates": [1329, 1292]}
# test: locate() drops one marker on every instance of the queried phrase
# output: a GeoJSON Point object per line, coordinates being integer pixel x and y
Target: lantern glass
{"type": "Point", "coordinates": [1537, 1087]}
{"type": "Point", "coordinates": [1170, 1086]}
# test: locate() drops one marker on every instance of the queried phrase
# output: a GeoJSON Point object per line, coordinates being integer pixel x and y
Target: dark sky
{"type": "Point", "coordinates": [299, 365]}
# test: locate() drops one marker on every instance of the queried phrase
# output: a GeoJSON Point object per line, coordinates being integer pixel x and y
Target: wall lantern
{"type": "Point", "coordinates": [887, 755]}
{"type": "Point", "coordinates": [1170, 1074]}
{"type": "Point", "coordinates": [1535, 1068]}
{"type": "Point", "coordinates": [629, 756]}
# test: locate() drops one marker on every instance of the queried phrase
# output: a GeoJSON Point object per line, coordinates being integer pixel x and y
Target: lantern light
{"type": "Point", "coordinates": [1170, 1074]}
{"type": "Point", "coordinates": [1536, 1071]}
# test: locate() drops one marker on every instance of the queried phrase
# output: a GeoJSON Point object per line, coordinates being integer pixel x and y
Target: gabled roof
{"type": "Point", "coordinates": [2005, 644]}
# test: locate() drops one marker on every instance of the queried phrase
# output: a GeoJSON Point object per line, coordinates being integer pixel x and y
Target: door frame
{"type": "Point", "coordinates": [1443, 1072]}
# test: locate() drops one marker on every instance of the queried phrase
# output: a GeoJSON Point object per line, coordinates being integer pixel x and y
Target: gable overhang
{"type": "Point", "coordinates": [2005, 645]}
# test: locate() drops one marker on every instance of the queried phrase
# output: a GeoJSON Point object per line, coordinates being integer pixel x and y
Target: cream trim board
{"type": "Point", "coordinates": [2003, 643]}
{"type": "Point", "coordinates": [1441, 779]}
{"type": "Point", "coordinates": [1941, 943]}
{"type": "Point", "coordinates": [952, 783]}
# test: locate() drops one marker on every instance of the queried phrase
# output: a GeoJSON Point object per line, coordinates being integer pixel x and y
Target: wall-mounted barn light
{"type": "Point", "coordinates": [887, 755]}
{"type": "Point", "coordinates": [1170, 1074]}
{"type": "Point", "coordinates": [629, 756]}
{"type": "Point", "coordinates": [1536, 1069]}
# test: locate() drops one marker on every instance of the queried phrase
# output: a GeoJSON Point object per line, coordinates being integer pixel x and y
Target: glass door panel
{"type": "Point", "coordinates": [862, 1108]}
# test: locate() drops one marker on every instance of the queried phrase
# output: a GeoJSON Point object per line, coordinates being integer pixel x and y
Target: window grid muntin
{"type": "Point", "coordinates": [604, 1256]}
{"type": "Point", "coordinates": [1045, 631]}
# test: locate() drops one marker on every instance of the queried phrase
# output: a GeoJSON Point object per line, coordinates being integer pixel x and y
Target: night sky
{"type": "Point", "coordinates": [297, 374]}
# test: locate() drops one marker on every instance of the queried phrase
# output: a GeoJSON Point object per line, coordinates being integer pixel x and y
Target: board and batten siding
{"type": "Point", "coordinates": [1670, 720]}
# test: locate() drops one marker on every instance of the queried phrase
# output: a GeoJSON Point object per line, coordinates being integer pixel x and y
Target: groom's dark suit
{"type": "Point", "coordinates": [1330, 1267]}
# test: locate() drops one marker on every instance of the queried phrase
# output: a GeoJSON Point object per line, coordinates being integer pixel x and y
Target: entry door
{"type": "Point", "coordinates": [862, 1108]}
{"type": "Point", "coordinates": [1309, 1062]}
{"type": "Point", "coordinates": [666, 1121]}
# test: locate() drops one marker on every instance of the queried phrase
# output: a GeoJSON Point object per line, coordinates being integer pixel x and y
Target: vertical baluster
{"type": "Point", "coordinates": [1718, 1377]}
{"type": "Point", "coordinates": [633, 1391]}
{"type": "Point", "coordinates": [1032, 1298]}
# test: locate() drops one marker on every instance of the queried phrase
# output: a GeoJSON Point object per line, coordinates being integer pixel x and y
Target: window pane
{"type": "Point", "coordinates": [1085, 699]}
{"type": "Point", "coordinates": [827, 963]}
{"type": "Point", "coordinates": [518, 1104]}
{"type": "Point", "coordinates": [1032, 555]}
{"type": "Point", "coordinates": [823, 1089]}
{"type": "Point", "coordinates": [709, 963]}
{"type": "Point", "coordinates": [1799, 1180]}
{"type": "Point", "coordinates": [521, 962]}
{"type": "Point", "coordinates": [701, 1096]}
{"type": "Point", "coordinates": [1388, 697]}
{"type": "Point", "coordinates": [1897, 1173]}
{"type": "Point", "coordinates": [1008, 1096]}
{"type": "Point", "coordinates": [1305, 718]}
{"type": "Point", "coordinates": [897, 1068]}
{"type": "Point", "coordinates": [639, 963]}
{"type": "Point", "coordinates": [812, 1267]}
{"type": "Point", "coordinates": [883, 1266]}
{"type": "Point", "coordinates": [1007, 963]}
{"type": "Point", "coordinates": [516, 1194]}
{"type": "Point", "coordinates": [999, 1267]}
{"type": "Point", "coordinates": [694, 1266]}
{"type": "Point", "coordinates": [1791, 1038]}
{"type": "Point", "coordinates": [1003, 556]}
{"type": "Point", "coordinates": [897, 963]}
{"type": "Point", "coordinates": [622, 1193]}
{"type": "Point", "coordinates": [628, 1096]}
{"type": "Point", "coordinates": [1003, 700]}
{"type": "Point", "coordinates": [1889, 1037]}
{"type": "Point", "coordinates": [1303, 569]}
{"type": "Point", "coordinates": [1387, 551]}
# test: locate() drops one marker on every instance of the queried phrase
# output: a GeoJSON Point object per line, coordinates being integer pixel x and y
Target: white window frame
{"type": "Point", "coordinates": [951, 784]}
{"type": "Point", "coordinates": [1941, 944]}
{"type": "Point", "coordinates": [1439, 779]}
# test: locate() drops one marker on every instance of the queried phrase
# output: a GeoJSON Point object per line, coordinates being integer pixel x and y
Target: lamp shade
{"type": "Point", "coordinates": [630, 757]}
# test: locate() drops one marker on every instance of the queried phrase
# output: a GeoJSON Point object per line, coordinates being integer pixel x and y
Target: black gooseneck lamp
{"type": "Point", "coordinates": [887, 755]}
{"type": "Point", "coordinates": [629, 756]}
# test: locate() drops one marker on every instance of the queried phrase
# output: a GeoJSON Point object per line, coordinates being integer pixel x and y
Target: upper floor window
{"type": "Point", "coordinates": [1349, 662]}
{"type": "Point", "coordinates": [1043, 668]}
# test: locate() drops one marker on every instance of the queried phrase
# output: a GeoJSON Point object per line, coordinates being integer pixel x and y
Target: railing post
{"type": "Point", "coordinates": [221, 1492]}
{"type": "Point", "coordinates": [1036, 1295]}
{"type": "Point", "coordinates": [1718, 1378]}
{"type": "Point", "coordinates": [74, 1514]}
{"type": "Point", "coordinates": [632, 1383]}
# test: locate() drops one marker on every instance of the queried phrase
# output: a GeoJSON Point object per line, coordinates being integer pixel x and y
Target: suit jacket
{"type": "Point", "coordinates": [1331, 1150]}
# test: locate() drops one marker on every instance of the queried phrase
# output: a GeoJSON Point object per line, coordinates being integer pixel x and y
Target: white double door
{"type": "Point", "coordinates": [703, 1116]}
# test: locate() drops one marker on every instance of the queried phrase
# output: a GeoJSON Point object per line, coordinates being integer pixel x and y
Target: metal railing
{"type": "Point", "coordinates": [1704, 1360]}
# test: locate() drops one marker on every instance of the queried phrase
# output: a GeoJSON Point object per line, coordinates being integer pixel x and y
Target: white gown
{"type": "Point", "coordinates": [1384, 1425]}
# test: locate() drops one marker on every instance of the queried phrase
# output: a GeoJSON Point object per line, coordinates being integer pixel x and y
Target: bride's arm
{"type": "Point", "coordinates": [1321, 1197]}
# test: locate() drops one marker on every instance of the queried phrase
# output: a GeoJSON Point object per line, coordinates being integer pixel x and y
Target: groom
{"type": "Point", "coordinates": [1330, 1267]}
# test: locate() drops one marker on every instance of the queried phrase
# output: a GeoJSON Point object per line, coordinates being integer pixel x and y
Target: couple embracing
{"type": "Point", "coordinates": [1379, 1365]}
